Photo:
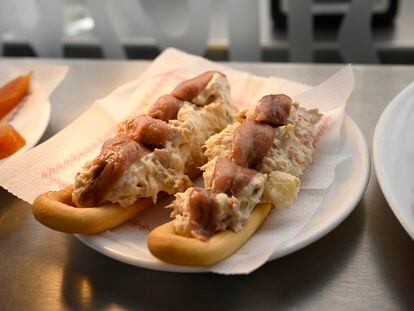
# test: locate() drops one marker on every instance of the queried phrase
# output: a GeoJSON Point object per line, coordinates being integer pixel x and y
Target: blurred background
{"type": "Point", "coordinates": [322, 31]}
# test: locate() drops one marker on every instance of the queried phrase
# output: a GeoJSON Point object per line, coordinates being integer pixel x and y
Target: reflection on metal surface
{"type": "Point", "coordinates": [114, 306]}
{"type": "Point", "coordinates": [85, 292]}
{"type": "Point", "coordinates": [76, 284]}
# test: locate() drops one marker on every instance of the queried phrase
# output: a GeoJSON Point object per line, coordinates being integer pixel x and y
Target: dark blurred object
{"type": "Point", "coordinates": [329, 13]}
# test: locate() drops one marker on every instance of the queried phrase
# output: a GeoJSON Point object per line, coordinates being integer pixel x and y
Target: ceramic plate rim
{"type": "Point", "coordinates": [379, 166]}
{"type": "Point", "coordinates": [43, 121]}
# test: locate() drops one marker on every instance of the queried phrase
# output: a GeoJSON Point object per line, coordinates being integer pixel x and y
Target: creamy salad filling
{"type": "Point", "coordinates": [277, 181]}
{"type": "Point", "coordinates": [294, 144]}
{"type": "Point", "coordinates": [233, 211]}
{"type": "Point", "coordinates": [164, 169]}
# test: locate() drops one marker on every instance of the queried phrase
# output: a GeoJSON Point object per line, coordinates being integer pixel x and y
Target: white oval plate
{"type": "Point", "coordinates": [351, 179]}
{"type": "Point", "coordinates": [30, 118]}
{"type": "Point", "coordinates": [393, 153]}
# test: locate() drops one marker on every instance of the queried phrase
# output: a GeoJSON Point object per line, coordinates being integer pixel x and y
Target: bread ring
{"type": "Point", "coordinates": [56, 210]}
{"type": "Point", "coordinates": [164, 244]}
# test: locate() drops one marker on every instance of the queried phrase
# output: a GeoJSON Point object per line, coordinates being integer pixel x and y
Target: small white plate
{"type": "Point", "coordinates": [393, 153]}
{"type": "Point", "coordinates": [30, 118]}
{"type": "Point", "coordinates": [351, 179]}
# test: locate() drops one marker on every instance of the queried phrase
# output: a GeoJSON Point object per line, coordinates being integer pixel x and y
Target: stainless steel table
{"type": "Point", "coordinates": [365, 263]}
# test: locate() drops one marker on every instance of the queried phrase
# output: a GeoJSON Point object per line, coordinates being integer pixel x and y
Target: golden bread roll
{"type": "Point", "coordinates": [56, 210]}
{"type": "Point", "coordinates": [170, 247]}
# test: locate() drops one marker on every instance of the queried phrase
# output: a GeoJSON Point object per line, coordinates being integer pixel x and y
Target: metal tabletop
{"type": "Point", "coordinates": [365, 263]}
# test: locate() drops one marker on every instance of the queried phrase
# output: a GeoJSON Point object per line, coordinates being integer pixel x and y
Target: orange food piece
{"type": "Point", "coordinates": [13, 92]}
{"type": "Point", "coordinates": [10, 140]}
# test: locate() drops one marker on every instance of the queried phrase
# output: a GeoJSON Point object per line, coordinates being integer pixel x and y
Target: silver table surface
{"type": "Point", "coordinates": [365, 263]}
